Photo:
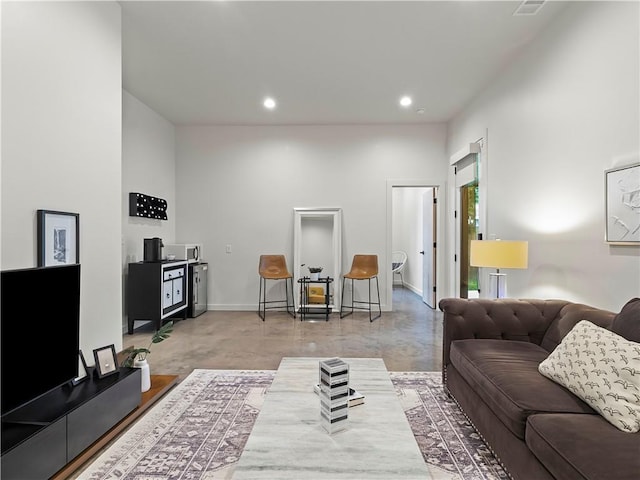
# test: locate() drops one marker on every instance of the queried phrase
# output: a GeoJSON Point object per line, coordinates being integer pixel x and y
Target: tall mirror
{"type": "Point", "coordinates": [317, 242]}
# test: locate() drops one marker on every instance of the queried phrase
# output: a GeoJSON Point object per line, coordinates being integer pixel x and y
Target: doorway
{"type": "Point", "coordinates": [412, 227]}
{"type": "Point", "coordinates": [470, 212]}
{"type": "Point", "coordinates": [469, 224]}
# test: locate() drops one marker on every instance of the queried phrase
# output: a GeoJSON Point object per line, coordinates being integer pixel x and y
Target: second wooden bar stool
{"type": "Point", "coordinates": [363, 267]}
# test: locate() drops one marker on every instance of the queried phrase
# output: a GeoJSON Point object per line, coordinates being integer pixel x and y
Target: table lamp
{"type": "Point", "coordinates": [499, 254]}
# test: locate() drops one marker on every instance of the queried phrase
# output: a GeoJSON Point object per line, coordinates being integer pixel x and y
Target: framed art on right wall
{"type": "Point", "coordinates": [622, 204]}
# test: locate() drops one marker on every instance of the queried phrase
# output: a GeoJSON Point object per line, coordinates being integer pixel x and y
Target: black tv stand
{"type": "Point", "coordinates": [16, 422]}
{"type": "Point", "coordinates": [44, 435]}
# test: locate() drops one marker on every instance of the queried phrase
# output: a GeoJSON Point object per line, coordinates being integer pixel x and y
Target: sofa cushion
{"type": "Point", "coordinates": [505, 374]}
{"type": "Point", "coordinates": [582, 447]}
{"type": "Point", "coordinates": [627, 322]}
{"type": "Point", "coordinates": [568, 317]}
{"type": "Point", "coordinates": [603, 369]}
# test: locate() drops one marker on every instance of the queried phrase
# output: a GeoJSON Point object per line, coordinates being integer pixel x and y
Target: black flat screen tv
{"type": "Point", "coordinates": [40, 332]}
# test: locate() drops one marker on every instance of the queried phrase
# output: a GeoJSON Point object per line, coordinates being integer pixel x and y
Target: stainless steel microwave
{"type": "Point", "coordinates": [191, 252]}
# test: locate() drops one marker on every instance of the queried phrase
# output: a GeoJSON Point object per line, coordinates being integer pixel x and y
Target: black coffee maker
{"type": "Point", "coordinates": [153, 249]}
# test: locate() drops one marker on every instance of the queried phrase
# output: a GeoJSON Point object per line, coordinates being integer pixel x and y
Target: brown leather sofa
{"type": "Point", "coordinates": [537, 429]}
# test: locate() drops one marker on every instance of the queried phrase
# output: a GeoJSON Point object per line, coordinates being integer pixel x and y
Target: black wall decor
{"type": "Point", "coordinates": [141, 205]}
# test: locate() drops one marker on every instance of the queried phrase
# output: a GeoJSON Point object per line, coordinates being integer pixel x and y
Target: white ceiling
{"type": "Point", "coordinates": [325, 62]}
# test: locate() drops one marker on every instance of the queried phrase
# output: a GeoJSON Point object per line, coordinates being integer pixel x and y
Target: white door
{"type": "Point", "coordinates": [429, 247]}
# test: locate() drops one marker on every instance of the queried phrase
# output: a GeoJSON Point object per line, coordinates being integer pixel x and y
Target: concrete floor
{"type": "Point", "coordinates": [408, 339]}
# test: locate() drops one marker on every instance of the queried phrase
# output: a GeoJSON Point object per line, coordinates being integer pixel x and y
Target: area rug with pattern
{"type": "Point", "coordinates": [198, 430]}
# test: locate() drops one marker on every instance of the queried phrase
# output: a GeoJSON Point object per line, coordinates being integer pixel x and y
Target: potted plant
{"type": "Point", "coordinates": [315, 272]}
{"type": "Point", "coordinates": [137, 357]}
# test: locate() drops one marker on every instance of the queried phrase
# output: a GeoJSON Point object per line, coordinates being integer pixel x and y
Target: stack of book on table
{"type": "Point", "coordinates": [334, 393]}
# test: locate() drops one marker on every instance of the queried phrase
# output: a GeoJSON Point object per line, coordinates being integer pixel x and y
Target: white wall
{"type": "Point", "coordinates": [148, 166]}
{"type": "Point", "coordinates": [61, 144]}
{"type": "Point", "coordinates": [562, 113]}
{"type": "Point", "coordinates": [239, 186]}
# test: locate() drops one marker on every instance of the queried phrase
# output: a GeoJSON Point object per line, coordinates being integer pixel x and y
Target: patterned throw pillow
{"type": "Point", "coordinates": [603, 369]}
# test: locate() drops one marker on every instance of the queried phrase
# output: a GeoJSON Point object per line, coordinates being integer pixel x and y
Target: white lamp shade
{"type": "Point", "coordinates": [499, 254]}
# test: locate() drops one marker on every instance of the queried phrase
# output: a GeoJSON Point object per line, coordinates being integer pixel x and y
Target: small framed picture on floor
{"type": "Point", "coordinates": [106, 360]}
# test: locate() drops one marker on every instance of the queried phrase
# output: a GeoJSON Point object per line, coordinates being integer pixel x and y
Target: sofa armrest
{"type": "Point", "coordinates": [506, 318]}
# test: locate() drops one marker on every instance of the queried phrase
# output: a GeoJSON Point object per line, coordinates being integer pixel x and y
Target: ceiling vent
{"type": "Point", "coordinates": [529, 7]}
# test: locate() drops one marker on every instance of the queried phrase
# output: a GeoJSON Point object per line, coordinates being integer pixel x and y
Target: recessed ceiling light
{"type": "Point", "coordinates": [269, 103]}
{"type": "Point", "coordinates": [420, 111]}
{"type": "Point", "coordinates": [405, 101]}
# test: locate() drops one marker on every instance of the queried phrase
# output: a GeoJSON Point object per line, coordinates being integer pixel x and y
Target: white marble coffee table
{"type": "Point", "coordinates": [289, 442]}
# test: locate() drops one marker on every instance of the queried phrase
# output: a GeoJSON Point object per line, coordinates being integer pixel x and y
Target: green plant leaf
{"type": "Point", "coordinates": [161, 334]}
{"type": "Point", "coordinates": [133, 354]}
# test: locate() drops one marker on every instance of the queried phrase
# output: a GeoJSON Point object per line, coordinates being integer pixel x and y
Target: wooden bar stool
{"type": "Point", "coordinates": [363, 267]}
{"type": "Point", "coordinates": [274, 267]}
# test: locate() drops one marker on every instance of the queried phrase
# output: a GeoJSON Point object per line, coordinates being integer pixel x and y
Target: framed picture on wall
{"type": "Point", "coordinates": [58, 238]}
{"type": "Point", "coordinates": [622, 199]}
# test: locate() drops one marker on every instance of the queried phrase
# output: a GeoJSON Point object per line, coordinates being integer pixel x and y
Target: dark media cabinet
{"type": "Point", "coordinates": [43, 436]}
{"type": "Point", "coordinates": [156, 291]}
